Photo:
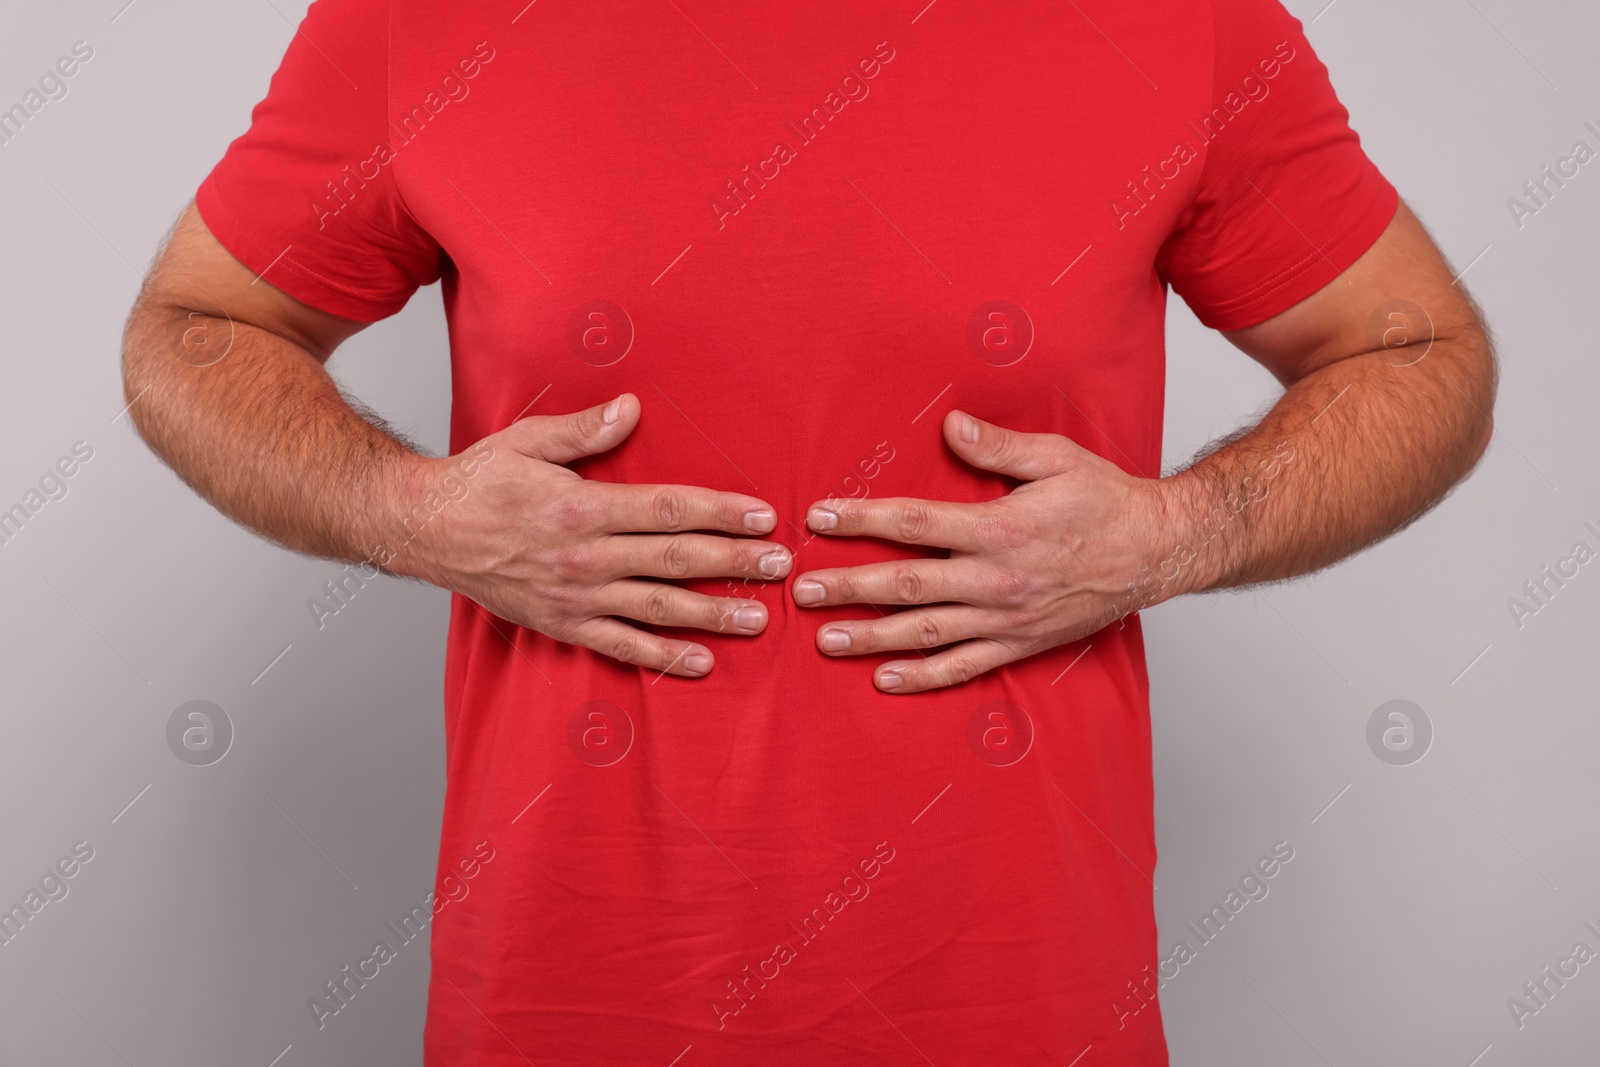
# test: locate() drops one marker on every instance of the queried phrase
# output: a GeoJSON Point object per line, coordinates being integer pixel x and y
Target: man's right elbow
{"type": "Point", "coordinates": [142, 356]}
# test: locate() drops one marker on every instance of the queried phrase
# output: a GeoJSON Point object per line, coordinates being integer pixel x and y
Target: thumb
{"type": "Point", "coordinates": [1024, 456]}
{"type": "Point", "coordinates": [564, 438]}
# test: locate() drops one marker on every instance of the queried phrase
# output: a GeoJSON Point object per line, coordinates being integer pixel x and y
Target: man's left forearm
{"type": "Point", "coordinates": [1349, 454]}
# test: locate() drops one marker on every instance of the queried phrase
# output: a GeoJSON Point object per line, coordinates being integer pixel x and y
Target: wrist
{"type": "Point", "coordinates": [1204, 530]}
{"type": "Point", "coordinates": [406, 502]}
{"type": "Point", "coordinates": [1177, 556]}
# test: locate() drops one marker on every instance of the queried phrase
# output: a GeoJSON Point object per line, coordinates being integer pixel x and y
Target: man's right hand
{"type": "Point", "coordinates": [539, 545]}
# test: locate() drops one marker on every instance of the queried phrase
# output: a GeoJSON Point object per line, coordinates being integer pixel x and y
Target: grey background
{"type": "Point", "coordinates": [226, 895]}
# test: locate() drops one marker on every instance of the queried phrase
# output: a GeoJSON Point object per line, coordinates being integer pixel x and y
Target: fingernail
{"type": "Point", "coordinates": [697, 662]}
{"type": "Point", "coordinates": [835, 640]}
{"type": "Point", "coordinates": [760, 520]}
{"type": "Point", "coordinates": [773, 564]}
{"type": "Point", "coordinates": [750, 617]}
{"type": "Point", "coordinates": [890, 680]}
{"type": "Point", "coordinates": [969, 429]}
{"type": "Point", "coordinates": [612, 411]}
{"type": "Point", "coordinates": [821, 519]}
{"type": "Point", "coordinates": [809, 592]}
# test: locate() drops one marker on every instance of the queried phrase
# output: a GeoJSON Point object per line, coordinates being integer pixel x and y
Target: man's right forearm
{"type": "Point", "coordinates": [252, 421]}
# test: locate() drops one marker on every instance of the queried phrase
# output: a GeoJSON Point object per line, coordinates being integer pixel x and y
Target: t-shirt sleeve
{"type": "Point", "coordinates": [307, 197]}
{"type": "Point", "coordinates": [1287, 200]}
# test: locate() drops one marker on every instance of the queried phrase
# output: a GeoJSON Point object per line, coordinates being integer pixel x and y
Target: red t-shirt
{"type": "Point", "coordinates": [800, 234]}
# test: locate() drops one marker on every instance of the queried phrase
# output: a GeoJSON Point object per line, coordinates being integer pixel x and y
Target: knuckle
{"type": "Point", "coordinates": [912, 522]}
{"type": "Point", "coordinates": [628, 649]}
{"type": "Point", "coordinates": [584, 425]}
{"type": "Point", "coordinates": [927, 633]}
{"type": "Point", "coordinates": [1003, 449]}
{"type": "Point", "coordinates": [726, 514]}
{"type": "Point", "coordinates": [908, 585]}
{"type": "Point", "coordinates": [670, 509]}
{"type": "Point", "coordinates": [525, 436]}
{"type": "Point", "coordinates": [568, 563]}
{"type": "Point", "coordinates": [1013, 589]}
{"type": "Point", "coordinates": [958, 668]}
{"type": "Point", "coordinates": [657, 605]}
{"type": "Point", "coordinates": [677, 559]}
{"type": "Point", "coordinates": [571, 513]}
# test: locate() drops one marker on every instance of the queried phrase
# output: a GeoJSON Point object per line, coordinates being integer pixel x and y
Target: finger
{"type": "Point", "coordinates": [660, 604]}
{"type": "Point", "coordinates": [1025, 456]}
{"type": "Point", "coordinates": [922, 628]}
{"type": "Point", "coordinates": [903, 519]}
{"type": "Point", "coordinates": [694, 555]}
{"type": "Point", "coordinates": [629, 644]}
{"type": "Point", "coordinates": [910, 581]}
{"type": "Point", "coordinates": [674, 508]}
{"type": "Point", "coordinates": [950, 667]}
{"type": "Point", "coordinates": [564, 438]}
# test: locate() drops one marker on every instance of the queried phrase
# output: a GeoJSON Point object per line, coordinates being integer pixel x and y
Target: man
{"type": "Point", "coordinates": [808, 373]}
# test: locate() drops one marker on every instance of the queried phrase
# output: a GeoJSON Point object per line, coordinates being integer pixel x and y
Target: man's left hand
{"type": "Point", "coordinates": [1047, 564]}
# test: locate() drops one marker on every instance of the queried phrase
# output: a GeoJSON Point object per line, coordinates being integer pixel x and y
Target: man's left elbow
{"type": "Point", "coordinates": [1479, 382]}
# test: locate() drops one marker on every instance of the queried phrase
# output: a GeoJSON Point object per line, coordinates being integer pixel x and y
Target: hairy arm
{"type": "Point", "coordinates": [226, 381]}
{"type": "Point", "coordinates": [1390, 380]}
